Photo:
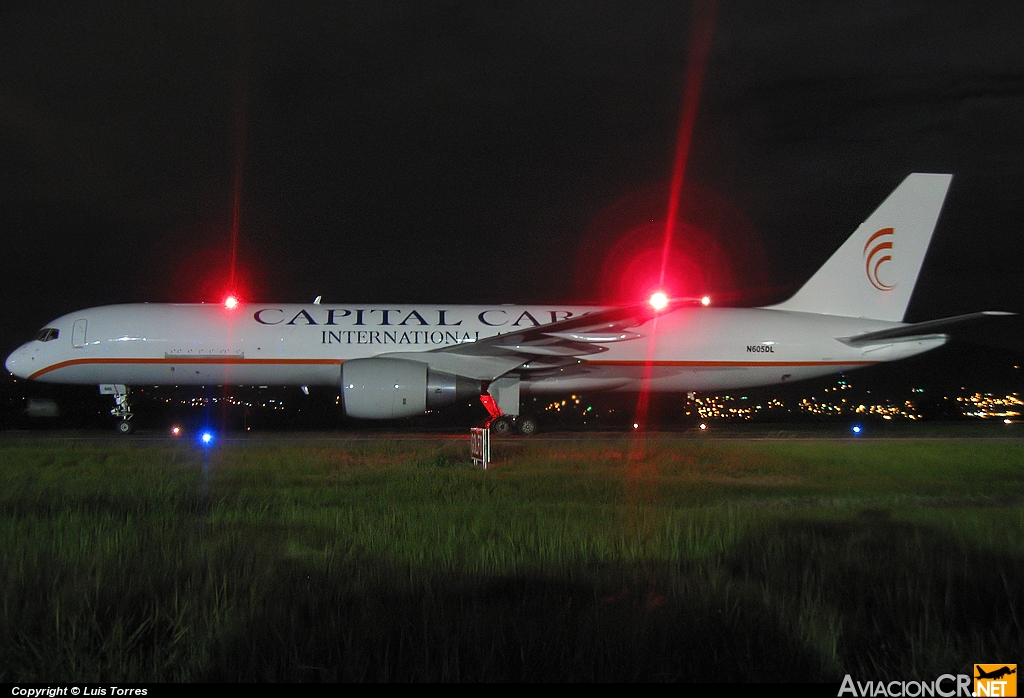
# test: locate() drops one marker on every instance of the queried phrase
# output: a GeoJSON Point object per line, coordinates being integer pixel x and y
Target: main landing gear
{"type": "Point", "coordinates": [122, 408]}
{"type": "Point", "coordinates": [502, 424]}
{"type": "Point", "coordinates": [520, 424]}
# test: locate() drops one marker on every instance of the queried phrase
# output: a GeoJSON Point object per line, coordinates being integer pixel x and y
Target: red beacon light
{"type": "Point", "coordinates": [706, 300]}
{"type": "Point", "coordinates": [659, 301]}
{"type": "Point", "coordinates": [231, 302]}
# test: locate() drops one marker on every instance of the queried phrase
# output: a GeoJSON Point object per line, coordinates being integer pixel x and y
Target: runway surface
{"type": "Point", "coordinates": [917, 432]}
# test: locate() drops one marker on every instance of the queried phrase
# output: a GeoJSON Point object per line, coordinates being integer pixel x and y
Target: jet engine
{"type": "Point", "coordinates": [386, 388]}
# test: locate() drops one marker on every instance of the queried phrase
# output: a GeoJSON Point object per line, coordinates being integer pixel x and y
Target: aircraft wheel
{"type": "Point", "coordinates": [526, 426]}
{"type": "Point", "coordinates": [502, 426]}
{"type": "Point", "coordinates": [125, 427]}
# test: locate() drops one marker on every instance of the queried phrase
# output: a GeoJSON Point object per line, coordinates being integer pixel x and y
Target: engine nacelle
{"type": "Point", "coordinates": [388, 388]}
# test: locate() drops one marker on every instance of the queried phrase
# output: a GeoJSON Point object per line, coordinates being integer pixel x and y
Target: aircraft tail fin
{"type": "Point", "coordinates": [873, 274]}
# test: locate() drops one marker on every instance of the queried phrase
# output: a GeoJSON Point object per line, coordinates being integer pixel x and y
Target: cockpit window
{"type": "Point", "coordinates": [47, 333]}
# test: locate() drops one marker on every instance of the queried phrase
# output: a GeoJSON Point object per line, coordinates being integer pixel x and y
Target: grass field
{"type": "Point", "coordinates": [583, 561]}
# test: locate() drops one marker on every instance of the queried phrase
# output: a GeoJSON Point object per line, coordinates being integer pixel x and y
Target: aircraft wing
{"type": "Point", "coordinates": [916, 330]}
{"type": "Point", "coordinates": [552, 345]}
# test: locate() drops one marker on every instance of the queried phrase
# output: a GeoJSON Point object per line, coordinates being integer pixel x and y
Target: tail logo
{"type": "Point", "coordinates": [877, 251]}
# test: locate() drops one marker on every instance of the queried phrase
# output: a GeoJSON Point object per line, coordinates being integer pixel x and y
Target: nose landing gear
{"type": "Point", "coordinates": [122, 408]}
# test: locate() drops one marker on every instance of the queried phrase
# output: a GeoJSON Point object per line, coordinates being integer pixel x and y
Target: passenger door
{"type": "Point", "coordinates": [78, 334]}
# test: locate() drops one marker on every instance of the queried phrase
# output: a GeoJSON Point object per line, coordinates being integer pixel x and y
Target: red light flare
{"type": "Point", "coordinates": [715, 251]}
{"type": "Point", "coordinates": [204, 276]}
{"type": "Point", "coordinates": [633, 269]}
{"type": "Point", "coordinates": [241, 124]}
{"type": "Point", "coordinates": [700, 46]}
{"type": "Point", "coordinates": [659, 300]}
{"type": "Point", "coordinates": [701, 31]}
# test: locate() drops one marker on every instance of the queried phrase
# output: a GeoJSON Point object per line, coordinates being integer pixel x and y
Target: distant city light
{"type": "Point", "coordinates": [841, 401]}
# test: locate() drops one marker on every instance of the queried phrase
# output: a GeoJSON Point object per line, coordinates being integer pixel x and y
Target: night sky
{"type": "Point", "coordinates": [487, 152]}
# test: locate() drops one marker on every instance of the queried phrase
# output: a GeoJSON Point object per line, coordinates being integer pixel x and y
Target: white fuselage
{"type": "Point", "coordinates": [690, 348]}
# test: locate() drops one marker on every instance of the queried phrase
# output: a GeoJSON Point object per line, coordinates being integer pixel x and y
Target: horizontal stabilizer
{"type": "Point", "coordinates": [916, 330]}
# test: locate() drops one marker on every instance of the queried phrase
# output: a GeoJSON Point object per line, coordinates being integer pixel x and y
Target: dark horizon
{"type": "Point", "coordinates": [458, 153]}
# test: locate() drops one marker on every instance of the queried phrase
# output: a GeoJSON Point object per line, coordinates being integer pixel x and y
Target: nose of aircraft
{"type": "Point", "coordinates": [16, 362]}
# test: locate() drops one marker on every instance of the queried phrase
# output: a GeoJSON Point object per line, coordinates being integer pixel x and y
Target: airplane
{"type": "Point", "coordinates": [395, 360]}
{"type": "Point", "coordinates": [994, 674]}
